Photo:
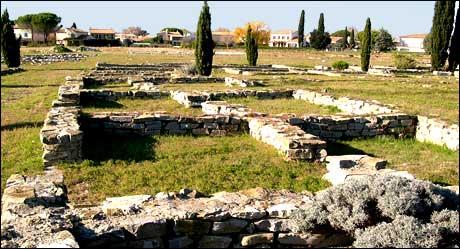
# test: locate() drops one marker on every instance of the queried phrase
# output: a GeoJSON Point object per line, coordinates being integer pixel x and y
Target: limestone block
{"type": "Point", "coordinates": [229, 226]}
{"type": "Point", "coordinates": [125, 205]}
{"type": "Point", "coordinates": [260, 238]}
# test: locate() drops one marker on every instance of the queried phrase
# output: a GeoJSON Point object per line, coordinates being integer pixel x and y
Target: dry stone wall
{"type": "Point", "coordinates": [61, 136]}
{"type": "Point", "coordinates": [195, 98]}
{"type": "Point", "coordinates": [345, 127]}
{"type": "Point", "coordinates": [161, 123]}
{"type": "Point", "coordinates": [51, 58]}
{"type": "Point", "coordinates": [35, 214]}
{"type": "Point", "coordinates": [437, 132]}
{"type": "Point", "coordinates": [347, 105]}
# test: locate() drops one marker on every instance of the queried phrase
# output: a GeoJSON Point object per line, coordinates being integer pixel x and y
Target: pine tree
{"type": "Point", "coordinates": [443, 20]}
{"type": "Point", "coordinates": [384, 41]}
{"type": "Point", "coordinates": [321, 24]}
{"type": "Point", "coordinates": [300, 31]}
{"type": "Point", "coordinates": [204, 44]}
{"type": "Point", "coordinates": [251, 47]}
{"type": "Point", "coordinates": [366, 46]}
{"type": "Point", "coordinates": [352, 39]}
{"type": "Point", "coordinates": [454, 50]}
{"type": "Point", "coordinates": [345, 37]}
{"type": "Point", "coordinates": [10, 46]}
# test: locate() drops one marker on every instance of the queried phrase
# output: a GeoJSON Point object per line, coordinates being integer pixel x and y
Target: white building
{"type": "Point", "coordinates": [284, 38]}
{"type": "Point", "coordinates": [26, 34]}
{"type": "Point", "coordinates": [411, 43]}
{"type": "Point", "coordinates": [63, 35]}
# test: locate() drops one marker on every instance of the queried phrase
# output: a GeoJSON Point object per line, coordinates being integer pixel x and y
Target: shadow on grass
{"type": "Point", "coordinates": [91, 103]}
{"type": "Point", "coordinates": [338, 149]}
{"type": "Point", "coordinates": [21, 125]}
{"type": "Point", "coordinates": [99, 148]}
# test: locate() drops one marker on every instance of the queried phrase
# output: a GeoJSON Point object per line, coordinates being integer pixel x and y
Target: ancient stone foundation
{"type": "Point", "coordinates": [51, 58]}
{"type": "Point", "coordinates": [161, 123]}
{"type": "Point", "coordinates": [437, 132]}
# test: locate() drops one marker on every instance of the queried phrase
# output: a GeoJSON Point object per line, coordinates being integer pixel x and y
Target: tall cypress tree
{"type": "Point", "coordinates": [10, 46]}
{"type": "Point", "coordinates": [251, 47]}
{"type": "Point", "coordinates": [300, 30]}
{"type": "Point", "coordinates": [443, 20]}
{"type": "Point", "coordinates": [345, 37]}
{"type": "Point", "coordinates": [454, 50]}
{"type": "Point", "coordinates": [321, 24]}
{"type": "Point", "coordinates": [366, 46]}
{"type": "Point", "coordinates": [352, 39]}
{"type": "Point", "coordinates": [204, 44]}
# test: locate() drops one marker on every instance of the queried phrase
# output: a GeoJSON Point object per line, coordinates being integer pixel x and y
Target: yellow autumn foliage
{"type": "Point", "coordinates": [259, 29]}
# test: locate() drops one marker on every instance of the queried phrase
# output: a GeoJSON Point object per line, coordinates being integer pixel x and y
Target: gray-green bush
{"type": "Point", "coordinates": [363, 208]}
{"type": "Point", "coordinates": [340, 65]}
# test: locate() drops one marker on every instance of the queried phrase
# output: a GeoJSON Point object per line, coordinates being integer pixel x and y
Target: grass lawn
{"type": "Point", "coordinates": [168, 163]}
{"type": "Point", "coordinates": [276, 106]}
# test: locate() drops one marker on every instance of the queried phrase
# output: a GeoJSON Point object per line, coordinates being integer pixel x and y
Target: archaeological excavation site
{"type": "Point", "coordinates": [364, 195]}
{"type": "Point", "coordinates": [250, 138]}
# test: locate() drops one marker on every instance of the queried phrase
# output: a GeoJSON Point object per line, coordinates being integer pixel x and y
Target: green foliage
{"type": "Point", "coordinates": [45, 22]}
{"type": "Point", "coordinates": [61, 49]}
{"type": "Point", "coordinates": [427, 43]}
{"type": "Point", "coordinates": [374, 35]}
{"type": "Point", "coordinates": [454, 50]}
{"type": "Point", "coordinates": [319, 40]}
{"type": "Point", "coordinates": [340, 65]}
{"type": "Point", "coordinates": [300, 30]}
{"type": "Point", "coordinates": [403, 61]}
{"type": "Point", "coordinates": [321, 24]}
{"type": "Point", "coordinates": [443, 21]}
{"type": "Point", "coordinates": [173, 30]}
{"type": "Point", "coordinates": [155, 40]}
{"type": "Point", "coordinates": [251, 47]}
{"type": "Point", "coordinates": [384, 41]}
{"type": "Point", "coordinates": [366, 46]}
{"type": "Point", "coordinates": [352, 39]}
{"type": "Point", "coordinates": [204, 43]}
{"type": "Point", "coordinates": [10, 46]}
{"type": "Point", "coordinates": [344, 43]}
{"type": "Point", "coordinates": [339, 33]}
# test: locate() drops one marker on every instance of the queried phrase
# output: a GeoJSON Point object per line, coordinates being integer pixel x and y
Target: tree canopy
{"type": "Point", "coordinates": [45, 22]}
{"type": "Point", "coordinates": [260, 31]}
{"type": "Point", "coordinates": [135, 31]}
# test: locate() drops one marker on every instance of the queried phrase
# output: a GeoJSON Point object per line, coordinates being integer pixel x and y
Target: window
{"type": "Point", "coordinates": [26, 35]}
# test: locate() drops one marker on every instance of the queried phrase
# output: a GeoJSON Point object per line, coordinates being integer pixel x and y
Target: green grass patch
{"type": "Point", "coordinates": [168, 163]}
{"type": "Point", "coordinates": [276, 106]}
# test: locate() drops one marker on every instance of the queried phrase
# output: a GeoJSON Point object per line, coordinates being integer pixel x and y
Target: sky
{"type": "Point", "coordinates": [398, 17]}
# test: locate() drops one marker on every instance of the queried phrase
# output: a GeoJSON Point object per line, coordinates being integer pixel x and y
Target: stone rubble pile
{"type": "Point", "coordinates": [350, 167]}
{"type": "Point", "coordinates": [224, 108]}
{"type": "Point", "coordinates": [51, 58]}
{"type": "Point", "coordinates": [442, 73]}
{"type": "Point", "coordinates": [380, 72]}
{"type": "Point", "coordinates": [161, 123]}
{"type": "Point", "coordinates": [34, 212]}
{"type": "Point", "coordinates": [289, 140]}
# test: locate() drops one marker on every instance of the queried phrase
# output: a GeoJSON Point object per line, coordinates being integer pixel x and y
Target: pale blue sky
{"type": "Point", "coordinates": [397, 17]}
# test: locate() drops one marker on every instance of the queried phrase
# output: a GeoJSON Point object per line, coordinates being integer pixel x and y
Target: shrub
{"type": "Point", "coordinates": [402, 61]}
{"type": "Point", "coordinates": [340, 65]}
{"type": "Point", "coordinates": [61, 49]}
{"type": "Point", "coordinates": [407, 211]}
{"type": "Point", "coordinates": [403, 232]}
